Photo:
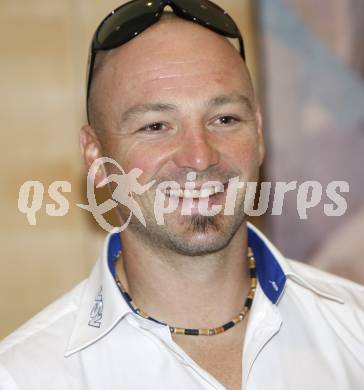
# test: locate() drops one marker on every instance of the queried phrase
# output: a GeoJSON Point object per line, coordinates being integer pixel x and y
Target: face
{"type": "Point", "coordinates": [178, 99]}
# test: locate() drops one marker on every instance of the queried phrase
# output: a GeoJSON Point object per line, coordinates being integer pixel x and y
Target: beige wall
{"type": "Point", "coordinates": [42, 76]}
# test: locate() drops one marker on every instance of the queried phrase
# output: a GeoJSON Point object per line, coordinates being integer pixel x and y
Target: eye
{"type": "Point", "coordinates": [227, 120]}
{"type": "Point", "coordinates": [153, 127]}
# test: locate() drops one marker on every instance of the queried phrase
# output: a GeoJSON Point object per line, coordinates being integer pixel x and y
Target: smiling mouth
{"type": "Point", "coordinates": [201, 193]}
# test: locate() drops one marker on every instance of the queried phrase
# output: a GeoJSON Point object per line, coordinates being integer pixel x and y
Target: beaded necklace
{"type": "Point", "coordinates": [202, 331]}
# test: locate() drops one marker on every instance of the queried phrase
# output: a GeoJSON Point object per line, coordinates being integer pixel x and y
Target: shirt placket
{"type": "Point", "coordinates": [264, 323]}
{"type": "Point", "coordinates": [165, 337]}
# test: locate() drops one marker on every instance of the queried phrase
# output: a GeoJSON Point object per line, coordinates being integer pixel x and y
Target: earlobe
{"type": "Point", "coordinates": [91, 150]}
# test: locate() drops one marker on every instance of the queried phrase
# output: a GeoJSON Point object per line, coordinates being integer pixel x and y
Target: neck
{"type": "Point", "coordinates": [191, 292]}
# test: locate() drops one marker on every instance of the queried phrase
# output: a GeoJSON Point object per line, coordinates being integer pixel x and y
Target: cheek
{"type": "Point", "coordinates": [242, 153]}
{"type": "Point", "coordinates": [145, 156]}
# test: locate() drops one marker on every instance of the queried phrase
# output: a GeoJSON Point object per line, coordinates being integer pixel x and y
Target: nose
{"type": "Point", "coordinates": [196, 150]}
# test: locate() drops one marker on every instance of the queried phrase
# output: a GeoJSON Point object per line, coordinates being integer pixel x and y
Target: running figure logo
{"type": "Point", "coordinates": [126, 185]}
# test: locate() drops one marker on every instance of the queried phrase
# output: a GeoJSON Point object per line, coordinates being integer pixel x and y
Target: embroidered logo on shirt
{"type": "Point", "coordinates": [96, 311]}
{"type": "Point", "coordinates": [274, 285]}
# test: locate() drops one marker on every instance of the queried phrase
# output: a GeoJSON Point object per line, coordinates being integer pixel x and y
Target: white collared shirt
{"type": "Point", "coordinates": [305, 331]}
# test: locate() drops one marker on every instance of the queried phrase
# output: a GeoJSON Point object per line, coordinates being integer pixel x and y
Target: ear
{"type": "Point", "coordinates": [91, 150]}
{"type": "Point", "coordinates": [259, 122]}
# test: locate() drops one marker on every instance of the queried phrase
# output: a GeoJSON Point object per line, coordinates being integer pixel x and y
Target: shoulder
{"type": "Point", "coordinates": [329, 285]}
{"type": "Point", "coordinates": [48, 330]}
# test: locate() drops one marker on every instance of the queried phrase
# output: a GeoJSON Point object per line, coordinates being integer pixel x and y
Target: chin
{"type": "Point", "coordinates": [198, 247]}
{"type": "Point", "coordinates": [200, 235]}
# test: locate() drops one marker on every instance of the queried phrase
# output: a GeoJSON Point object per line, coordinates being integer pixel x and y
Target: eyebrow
{"type": "Point", "coordinates": [147, 107]}
{"type": "Point", "coordinates": [215, 102]}
{"type": "Point", "coordinates": [229, 99]}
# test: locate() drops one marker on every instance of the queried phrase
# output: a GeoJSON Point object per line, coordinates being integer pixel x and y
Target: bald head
{"type": "Point", "coordinates": [169, 51]}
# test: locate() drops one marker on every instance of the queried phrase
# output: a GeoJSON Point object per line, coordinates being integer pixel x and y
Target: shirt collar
{"type": "Point", "coordinates": [272, 267]}
{"type": "Point", "coordinates": [102, 305]}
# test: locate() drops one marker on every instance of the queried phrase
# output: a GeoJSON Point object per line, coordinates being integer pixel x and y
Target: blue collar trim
{"type": "Point", "coordinates": [271, 277]}
{"type": "Point", "coordinates": [112, 251]}
{"type": "Point", "coordinates": [269, 273]}
{"type": "Point", "coordinates": [113, 248]}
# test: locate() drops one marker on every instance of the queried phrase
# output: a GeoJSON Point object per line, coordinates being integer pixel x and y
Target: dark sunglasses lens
{"type": "Point", "coordinates": [126, 22]}
{"type": "Point", "coordinates": [209, 13]}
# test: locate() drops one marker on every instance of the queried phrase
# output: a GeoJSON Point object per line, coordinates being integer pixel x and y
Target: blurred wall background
{"type": "Point", "coordinates": [43, 51]}
{"type": "Point", "coordinates": [311, 57]}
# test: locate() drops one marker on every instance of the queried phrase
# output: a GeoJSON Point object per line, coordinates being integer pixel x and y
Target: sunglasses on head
{"type": "Point", "coordinates": [132, 18]}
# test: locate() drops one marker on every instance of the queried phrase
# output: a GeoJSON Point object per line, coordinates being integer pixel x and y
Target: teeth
{"type": "Point", "coordinates": [173, 192]}
{"type": "Point", "coordinates": [203, 193]}
{"type": "Point", "coordinates": [190, 194]}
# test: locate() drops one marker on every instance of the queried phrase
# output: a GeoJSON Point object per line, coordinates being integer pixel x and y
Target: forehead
{"type": "Point", "coordinates": [173, 56]}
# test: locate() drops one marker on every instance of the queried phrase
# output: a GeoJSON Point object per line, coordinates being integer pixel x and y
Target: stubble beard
{"type": "Point", "coordinates": [194, 235]}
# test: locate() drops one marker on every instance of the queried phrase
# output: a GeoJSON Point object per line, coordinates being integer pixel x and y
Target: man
{"type": "Point", "coordinates": [183, 306]}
